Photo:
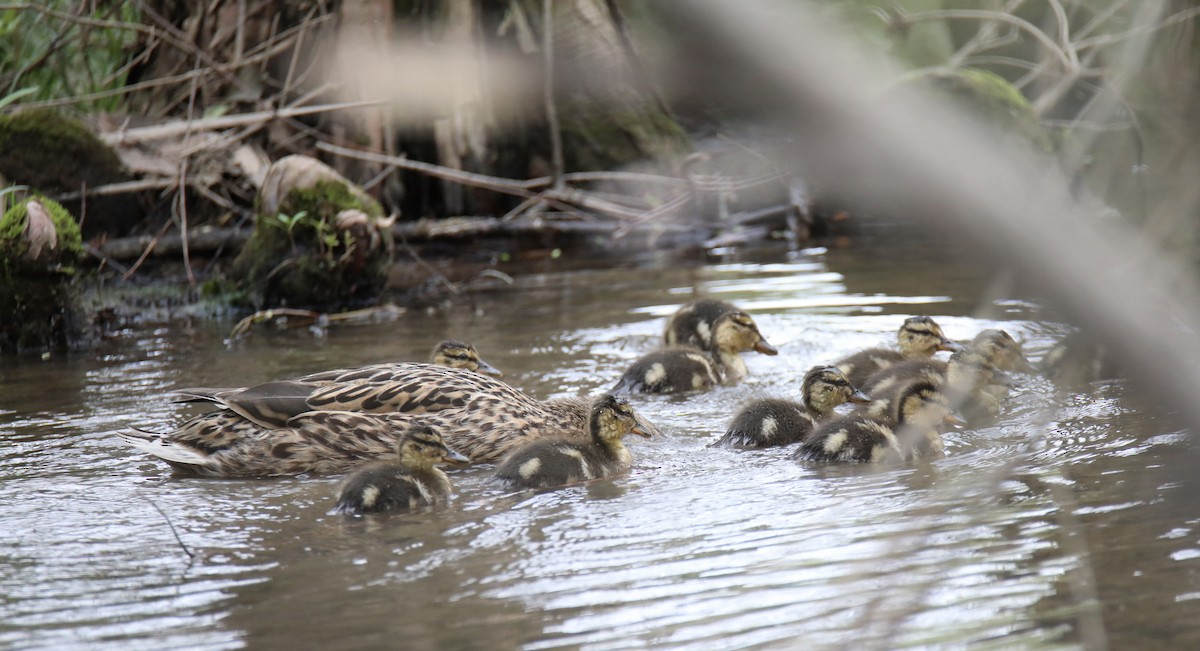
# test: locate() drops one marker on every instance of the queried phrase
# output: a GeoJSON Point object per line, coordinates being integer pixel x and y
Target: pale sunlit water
{"type": "Point", "coordinates": [1057, 527]}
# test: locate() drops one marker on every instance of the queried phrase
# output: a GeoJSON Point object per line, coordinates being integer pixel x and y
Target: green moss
{"type": "Point", "coordinates": [13, 245]}
{"type": "Point", "coordinates": [299, 258]}
{"type": "Point", "coordinates": [46, 150]}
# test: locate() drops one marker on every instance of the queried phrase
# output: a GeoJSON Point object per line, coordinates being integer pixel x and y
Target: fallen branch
{"type": "Point", "coordinates": [181, 127]}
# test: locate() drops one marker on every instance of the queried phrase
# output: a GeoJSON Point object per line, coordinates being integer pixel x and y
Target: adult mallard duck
{"type": "Point", "coordinates": [451, 353]}
{"type": "Point", "coordinates": [557, 461]}
{"type": "Point", "coordinates": [290, 427]}
{"type": "Point", "coordinates": [411, 480]}
{"type": "Point", "coordinates": [919, 337]}
{"type": "Point", "coordinates": [692, 323]}
{"type": "Point", "coordinates": [770, 422]}
{"type": "Point", "coordinates": [970, 382]}
{"type": "Point", "coordinates": [911, 432]}
{"type": "Point", "coordinates": [686, 368]}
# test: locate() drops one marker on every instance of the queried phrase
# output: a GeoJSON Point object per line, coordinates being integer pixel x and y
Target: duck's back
{"type": "Point", "coordinates": [554, 462]}
{"type": "Point", "coordinates": [692, 324]}
{"type": "Point", "coordinates": [861, 365]}
{"type": "Point", "coordinates": [669, 370]}
{"type": "Point", "coordinates": [894, 377]}
{"type": "Point", "coordinates": [855, 437]}
{"type": "Point", "coordinates": [388, 486]}
{"type": "Point", "coordinates": [766, 423]}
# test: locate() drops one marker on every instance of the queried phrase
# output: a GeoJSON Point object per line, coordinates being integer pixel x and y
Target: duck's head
{"type": "Point", "coordinates": [420, 446]}
{"type": "Point", "coordinates": [457, 354]}
{"type": "Point", "coordinates": [612, 418]}
{"type": "Point", "coordinates": [969, 369]}
{"type": "Point", "coordinates": [923, 405]}
{"type": "Point", "coordinates": [921, 336]}
{"type": "Point", "coordinates": [736, 332]}
{"type": "Point", "coordinates": [826, 387]}
{"type": "Point", "coordinates": [1002, 350]}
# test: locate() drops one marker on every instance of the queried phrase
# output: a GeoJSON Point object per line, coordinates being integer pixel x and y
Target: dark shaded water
{"type": "Point", "coordinates": [1060, 526]}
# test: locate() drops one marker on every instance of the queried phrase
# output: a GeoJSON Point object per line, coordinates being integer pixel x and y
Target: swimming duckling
{"type": "Point", "coordinates": [918, 338]}
{"type": "Point", "coordinates": [288, 428]}
{"type": "Point", "coordinates": [692, 323]}
{"type": "Point", "coordinates": [554, 462]}
{"type": "Point", "coordinates": [412, 480]}
{"type": "Point", "coordinates": [686, 368]}
{"type": "Point", "coordinates": [1002, 351]}
{"type": "Point", "coordinates": [773, 421]}
{"type": "Point", "coordinates": [910, 433]}
{"type": "Point", "coordinates": [1078, 359]}
{"type": "Point", "coordinates": [968, 379]}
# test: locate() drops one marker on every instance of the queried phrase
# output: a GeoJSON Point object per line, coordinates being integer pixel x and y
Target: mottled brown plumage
{"type": "Point", "coordinates": [919, 337]}
{"type": "Point", "coordinates": [411, 480]}
{"type": "Point", "coordinates": [692, 323]}
{"type": "Point", "coordinates": [558, 461]}
{"type": "Point", "coordinates": [330, 429]}
{"type": "Point", "coordinates": [772, 422]}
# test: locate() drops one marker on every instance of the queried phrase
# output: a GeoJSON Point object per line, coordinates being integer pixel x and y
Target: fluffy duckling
{"type": "Point", "coordinates": [1078, 359]}
{"type": "Point", "coordinates": [1002, 351]}
{"type": "Point", "coordinates": [773, 421]}
{"type": "Point", "coordinates": [554, 462]}
{"type": "Point", "coordinates": [686, 368]}
{"type": "Point", "coordinates": [919, 337]}
{"type": "Point", "coordinates": [911, 432]}
{"type": "Point", "coordinates": [969, 381]}
{"type": "Point", "coordinates": [412, 480]}
{"type": "Point", "coordinates": [692, 323]}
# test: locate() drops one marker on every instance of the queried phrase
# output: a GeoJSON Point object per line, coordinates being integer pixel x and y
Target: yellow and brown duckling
{"type": "Point", "coordinates": [558, 461]}
{"type": "Point", "coordinates": [289, 428]}
{"type": "Point", "coordinates": [1002, 351]}
{"type": "Point", "coordinates": [970, 382]}
{"type": "Point", "coordinates": [919, 337]}
{"type": "Point", "coordinates": [410, 481]}
{"type": "Point", "coordinates": [685, 368]}
{"type": "Point", "coordinates": [911, 432]}
{"type": "Point", "coordinates": [692, 323]}
{"type": "Point", "coordinates": [772, 422]}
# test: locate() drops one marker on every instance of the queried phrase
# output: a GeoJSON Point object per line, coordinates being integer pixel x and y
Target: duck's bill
{"type": "Point", "coordinates": [1002, 378]}
{"type": "Point", "coordinates": [761, 346]}
{"type": "Point", "coordinates": [645, 428]}
{"type": "Point", "coordinates": [954, 420]}
{"type": "Point", "coordinates": [488, 369]}
{"type": "Point", "coordinates": [950, 345]}
{"type": "Point", "coordinates": [1023, 365]}
{"type": "Point", "coordinates": [455, 459]}
{"type": "Point", "coordinates": [860, 398]}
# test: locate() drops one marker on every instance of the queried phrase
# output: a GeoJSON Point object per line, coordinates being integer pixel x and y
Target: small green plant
{"type": "Point", "coordinates": [289, 224]}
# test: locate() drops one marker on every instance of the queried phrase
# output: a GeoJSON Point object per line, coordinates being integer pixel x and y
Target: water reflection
{"type": "Point", "coordinates": [1031, 531]}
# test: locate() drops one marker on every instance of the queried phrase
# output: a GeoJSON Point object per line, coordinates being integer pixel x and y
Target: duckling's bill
{"type": "Point", "coordinates": [644, 428]}
{"type": "Point", "coordinates": [761, 346]}
{"type": "Point", "coordinates": [488, 369]}
{"type": "Point", "coordinates": [859, 398]}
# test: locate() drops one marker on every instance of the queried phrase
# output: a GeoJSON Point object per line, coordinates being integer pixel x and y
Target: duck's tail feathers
{"type": "Point", "coordinates": [156, 444]}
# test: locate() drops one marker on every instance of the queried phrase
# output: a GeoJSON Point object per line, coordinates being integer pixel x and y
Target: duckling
{"type": "Point", "coordinates": [685, 368]}
{"type": "Point", "coordinates": [692, 323]}
{"type": "Point", "coordinates": [910, 433]}
{"type": "Point", "coordinates": [773, 421]}
{"type": "Point", "coordinates": [410, 481]}
{"type": "Point", "coordinates": [918, 338]}
{"type": "Point", "coordinates": [1002, 351]}
{"type": "Point", "coordinates": [558, 461]}
{"type": "Point", "coordinates": [968, 380]}
{"type": "Point", "coordinates": [289, 428]}
{"type": "Point", "coordinates": [1078, 359]}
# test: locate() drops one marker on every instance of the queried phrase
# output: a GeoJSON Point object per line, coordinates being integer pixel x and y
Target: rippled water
{"type": "Point", "coordinates": [1058, 527]}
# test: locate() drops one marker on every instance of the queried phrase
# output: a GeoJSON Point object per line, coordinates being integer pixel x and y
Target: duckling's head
{"type": "Point", "coordinates": [922, 405]}
{"type": "Point", "coordinates": [969, 369]}
{"type": "Point", "coordinates": [457, 354]}
{"type": "Point", "coordinates": [1002, 350]}
{"type": "Point", "coordinates": [921, 337]}
{"type": "Point", "coordinates": [735, 332]}
{"type": "Point", "coordinates": [420, 446]}
{"type": "Point", "coordinates": [826, 387]}
{"type": "Point", "coordinates": [612, 418]}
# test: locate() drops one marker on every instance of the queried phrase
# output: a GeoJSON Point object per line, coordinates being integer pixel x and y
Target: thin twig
{"type": "Point", "coordinates": [556, 146]}
{"type": "Point", "coordinates": [177, 128]}
{"type": "Point", "coordinates": [171, 526]}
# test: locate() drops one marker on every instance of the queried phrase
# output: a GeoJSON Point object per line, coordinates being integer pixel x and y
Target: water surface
{"type": "Point", "coordinates": [1057, 527]}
